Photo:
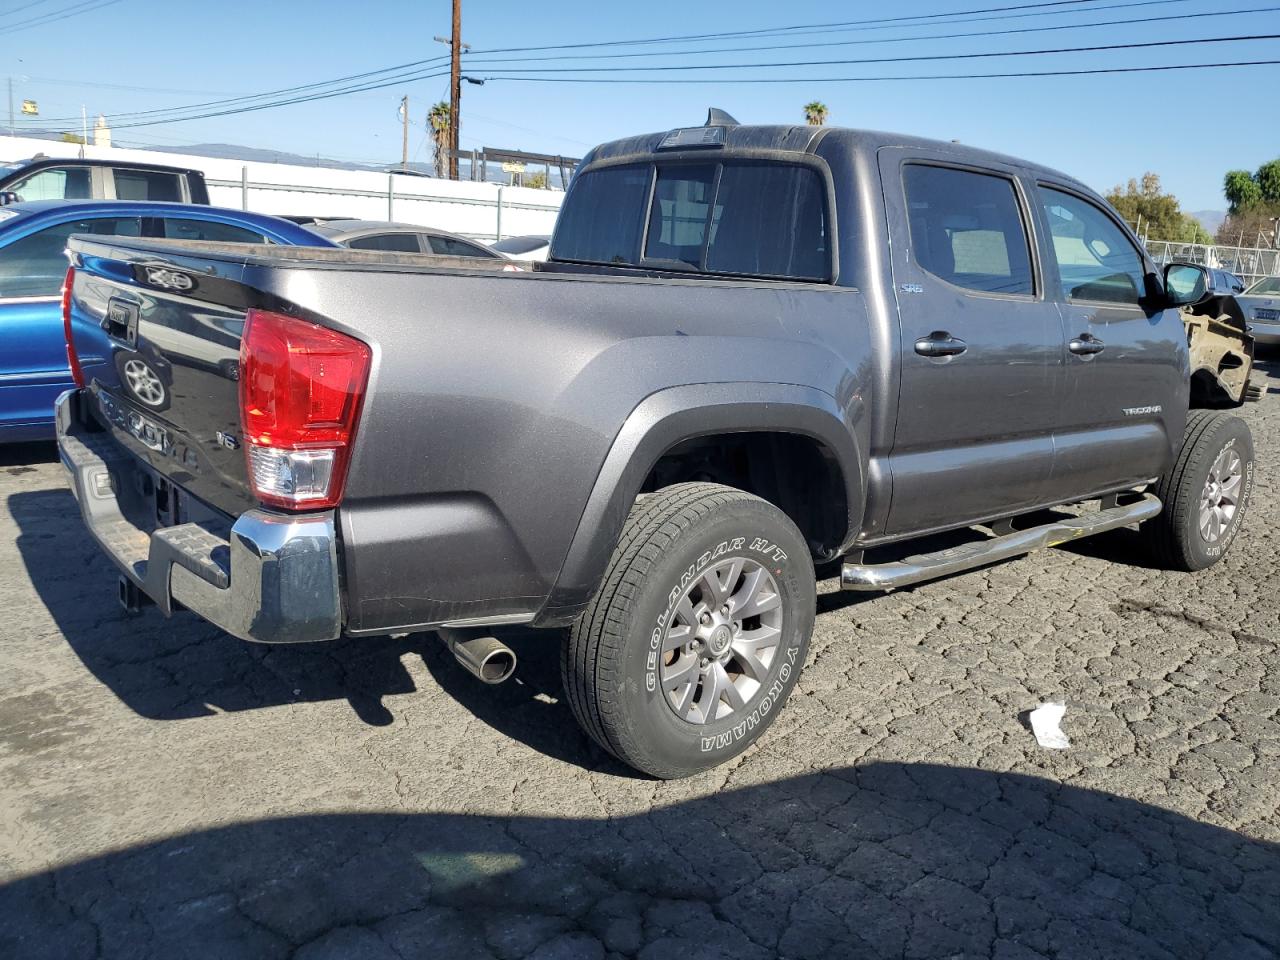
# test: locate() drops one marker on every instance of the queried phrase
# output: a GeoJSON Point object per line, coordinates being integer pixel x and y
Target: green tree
{"type": "Point", "coordinates": [538, 181]}
{"type": "Point", "coordinates": [1158, 214]}
{"type": "Point", "coordinates": [815, 113]}
{"type": "Point", "coordinates": [439, 119]}
{"type": "Point", "coordinates": [1241, 189]}
{"type": "Point", "coordinates": [1268, 180]}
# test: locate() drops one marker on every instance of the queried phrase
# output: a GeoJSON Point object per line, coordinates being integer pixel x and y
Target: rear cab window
{"type": "Point", "coordinates": [731, 217]}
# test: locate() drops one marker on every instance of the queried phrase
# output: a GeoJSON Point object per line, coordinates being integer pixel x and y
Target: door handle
{"type": "Point", "coordinates": [1086, 345]}
{"type": "Point", "coordinates": [940, 344]}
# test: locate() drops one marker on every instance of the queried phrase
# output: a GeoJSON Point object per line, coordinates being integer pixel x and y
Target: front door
{"type": "Point", "coordinates": [981, 347]}
{"type": "Point", "coordinates": [1125, 385]}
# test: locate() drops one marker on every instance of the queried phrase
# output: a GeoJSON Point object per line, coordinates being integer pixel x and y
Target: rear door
{"type": "Point", "coordinates": [1125, 379]}
{"type": "Point", "coordinates": [981, 347]}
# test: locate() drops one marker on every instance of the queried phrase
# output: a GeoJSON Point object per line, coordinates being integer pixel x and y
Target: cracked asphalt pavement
{"type": "Point", "coordinates": [167, 791]}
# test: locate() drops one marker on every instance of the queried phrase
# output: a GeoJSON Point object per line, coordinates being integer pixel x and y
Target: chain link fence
{"type": "Point", "coordinates": [1250, 264]}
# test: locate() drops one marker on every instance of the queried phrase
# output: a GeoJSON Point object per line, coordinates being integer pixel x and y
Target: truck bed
{"type": "Point", "coordinates": [485, 384]}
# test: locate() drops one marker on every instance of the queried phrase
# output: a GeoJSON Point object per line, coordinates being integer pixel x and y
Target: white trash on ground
{"type": "Point", "coordinates": [1045, 724]}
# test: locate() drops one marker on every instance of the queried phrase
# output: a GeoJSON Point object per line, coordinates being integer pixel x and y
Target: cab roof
{"type": "Point", "coordinates": [803, 138]}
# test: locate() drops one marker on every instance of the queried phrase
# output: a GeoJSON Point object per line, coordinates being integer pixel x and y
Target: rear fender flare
{"type": "Point", "coordinates": [670, 416]}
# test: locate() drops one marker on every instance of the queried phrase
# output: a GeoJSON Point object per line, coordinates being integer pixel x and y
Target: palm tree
{"type": "Point", "coordinates": [815, 113]}
{"type": "Point", "coordinates": [439, 119]}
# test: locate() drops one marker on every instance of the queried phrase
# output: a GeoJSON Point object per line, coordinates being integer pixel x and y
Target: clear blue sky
{"type": "Point", "coordinates": [134, 55]}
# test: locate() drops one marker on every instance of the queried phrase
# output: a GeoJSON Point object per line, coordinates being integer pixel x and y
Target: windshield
{"type": "Point", "coordinates": [732, 217]}
{"type": "Point", "coordinates": [1267, 286]}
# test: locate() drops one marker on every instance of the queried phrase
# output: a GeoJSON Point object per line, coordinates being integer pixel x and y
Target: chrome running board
{"type": "Point", "coordinates": [929, 566]}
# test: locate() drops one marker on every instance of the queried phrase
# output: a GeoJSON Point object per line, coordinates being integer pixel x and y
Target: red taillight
{"type": "Point", "coordinates": [301, 385]}
{"type": "Point", "coordinates": [76, 373]}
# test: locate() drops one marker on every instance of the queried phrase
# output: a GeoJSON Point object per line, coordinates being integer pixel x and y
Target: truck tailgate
{"type": "Point", "coordinates": [158, 340]}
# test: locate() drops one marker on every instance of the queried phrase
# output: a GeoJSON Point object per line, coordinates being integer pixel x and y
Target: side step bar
{"type": "Point", "coordinates": [929, 566]}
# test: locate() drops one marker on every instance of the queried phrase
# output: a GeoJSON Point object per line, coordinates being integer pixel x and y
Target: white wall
{"type": "Point", "coordinates": [464, 207]}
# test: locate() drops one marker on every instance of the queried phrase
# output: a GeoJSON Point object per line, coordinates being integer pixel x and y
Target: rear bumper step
{"type": "Point", "coordinates": [274, 579]}
{"type": "Point", "coordinates": [929, 566]}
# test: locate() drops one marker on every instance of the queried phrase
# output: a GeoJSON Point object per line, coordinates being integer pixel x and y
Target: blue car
{"type": "Point", "coordinates": [33, 355]}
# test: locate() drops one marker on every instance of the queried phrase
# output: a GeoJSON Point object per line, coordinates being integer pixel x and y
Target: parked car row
{"type": "Point", "coordinates": [751, 350]}
{"type": "Point", "coordinates": [33, 264]}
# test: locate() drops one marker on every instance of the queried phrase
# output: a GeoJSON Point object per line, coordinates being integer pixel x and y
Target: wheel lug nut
{"type": "Point", "coordinates": [705, 619]}
{"type": "Point", "coordinates": [725, 609]}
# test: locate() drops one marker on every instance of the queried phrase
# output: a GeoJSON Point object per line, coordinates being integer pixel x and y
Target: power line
{"type": "Point", "coordinates": [944, 76]}
{"type": "Point", "coordinates": [85, 6]}
{"type": "Point", "coordinates": [247, 98]}
{"type": "Point", "coordinates": [881, 40]}
{"type": "Point", "coordinates": [767, 31]}
{"type": "Point", "coordinates": [418, 64]}
{"type": "Point", "coordinates": [910, 59]}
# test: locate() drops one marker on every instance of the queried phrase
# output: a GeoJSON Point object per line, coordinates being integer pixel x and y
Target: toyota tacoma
{"type": "Point", "coordinates": [753, 350]}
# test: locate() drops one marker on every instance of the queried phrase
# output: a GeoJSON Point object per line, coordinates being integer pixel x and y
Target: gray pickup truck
{"type": "Point", "coordinates": [754, 349]}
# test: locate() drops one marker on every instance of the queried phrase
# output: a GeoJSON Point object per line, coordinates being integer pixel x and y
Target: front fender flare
{"type": "Point", "coordinates": [668, 417]}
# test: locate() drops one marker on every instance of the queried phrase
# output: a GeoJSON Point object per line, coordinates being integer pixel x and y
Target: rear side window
{"type": "Point", "coordinates": [967, 229]}
{"type": "Point", "coordinates": [147, 185]}
{"type": "Point", "coordinates": [70, 183]}
{"type": "Point", "coordinates": [1096, 261]}
{"type": "Point", "coordinates": [604, 220]}
{"type": "Point", "coordinates": [181, 228]}
{"type": "Point", "coordinates": [388, 242]}
{"type": "Point", "coordinates": [35, 265]}
{"type": "Point", "coordinates": [451, 247]}
{"type": "Point", "coordinates": [734, 218]}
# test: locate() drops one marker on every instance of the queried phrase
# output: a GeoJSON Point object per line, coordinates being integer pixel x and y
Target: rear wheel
{"type": "Point", "coordinates": [1205, 494]}
{"type": "Point", "coordinates": [698, 633]}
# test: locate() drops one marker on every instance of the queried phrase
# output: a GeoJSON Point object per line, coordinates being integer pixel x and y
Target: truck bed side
{"type": "Point", "coordinates": [493, 403]}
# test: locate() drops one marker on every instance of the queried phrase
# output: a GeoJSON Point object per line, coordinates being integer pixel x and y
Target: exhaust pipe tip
{"type": "Point", "coordinates": [486, 658]}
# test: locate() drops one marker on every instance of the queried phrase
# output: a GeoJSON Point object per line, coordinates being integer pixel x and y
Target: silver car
{"type": "Point", "coordinates": [401, 238]}
{"type": "Point", "coordinates": [1261, 306]}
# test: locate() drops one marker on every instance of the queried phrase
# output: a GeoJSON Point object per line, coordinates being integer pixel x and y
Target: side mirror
{"type": "Point", "coordinates": [1185, 284]}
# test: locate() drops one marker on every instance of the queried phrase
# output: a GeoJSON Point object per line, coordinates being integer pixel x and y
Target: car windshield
{"type": "Point", "coordinates": [1269, 285]}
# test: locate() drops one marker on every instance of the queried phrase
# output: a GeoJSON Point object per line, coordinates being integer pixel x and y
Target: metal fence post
{"type": "Point", "coordinates": [498, 231]}
{"type": "Point", "coordinates": [244, 188]}
{"type": "Point", "coordinates": [391, 196]}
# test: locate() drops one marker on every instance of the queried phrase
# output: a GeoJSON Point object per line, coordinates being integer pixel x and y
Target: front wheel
{"type": "Point", "coordinates": [698, 632]}
{"type": "Point", "coordinates": [1205, 494]}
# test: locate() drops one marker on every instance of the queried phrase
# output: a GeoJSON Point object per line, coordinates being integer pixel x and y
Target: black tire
{"type": "Point", "coordinates": [670, 540]}
{"type": "Point", "coordinates": [1174, 538]}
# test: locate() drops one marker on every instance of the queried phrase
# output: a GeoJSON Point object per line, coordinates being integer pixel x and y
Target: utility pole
{"type": "Point", "coordinates": [455, 88]}
{"type": "Point", "coordinates": [456, 46]}
{"type": "Point", "coordinates": [404, 148]}
{"type": "Point", "coordinates": [84, 130]}
{"type": "Point", "coordinates": [11, 133]}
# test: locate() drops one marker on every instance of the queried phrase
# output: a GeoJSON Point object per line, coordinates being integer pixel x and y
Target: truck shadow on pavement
{"type": "Point", "coordinates": [183, 668]}
{"type": "Point", "coordinates": [878, 860]}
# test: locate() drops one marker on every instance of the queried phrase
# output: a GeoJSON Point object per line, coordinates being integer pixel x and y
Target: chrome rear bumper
{"type": "Point", "coordinates": [273, 579]}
